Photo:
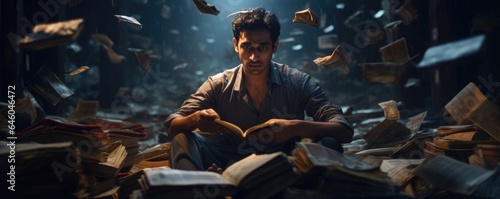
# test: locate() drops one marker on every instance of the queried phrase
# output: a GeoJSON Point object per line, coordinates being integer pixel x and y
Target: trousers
{"type": "Point", "coordinates": [192, 151]}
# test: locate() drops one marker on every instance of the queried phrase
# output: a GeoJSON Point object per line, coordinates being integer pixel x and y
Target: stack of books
{"type": "Point", "coordinates": [101, 158]}
{"type": "Point", "coordinates": [156, 156]}
{"type": "Point", "coordinates": [127, 133]}
{"type": "Point", "coordinates": [486, 156]}
{"type": "Point", "coordinates": [52, 170]}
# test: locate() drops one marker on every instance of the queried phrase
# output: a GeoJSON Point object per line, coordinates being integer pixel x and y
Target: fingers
{"type": "Point", "coordinates": [214, 168]}
{"type": "Point", "coordinates": [208, 114]}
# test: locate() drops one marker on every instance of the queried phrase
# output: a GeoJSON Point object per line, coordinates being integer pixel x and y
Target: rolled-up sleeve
{"type": "Point", "coordinates": [203, 98]}
{"type": "Point", "coordinates": [318, 106]}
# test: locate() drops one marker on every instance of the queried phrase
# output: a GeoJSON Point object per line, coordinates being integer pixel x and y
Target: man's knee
{"type": "Point", "coordinates": [183, 152]}
{"type": "Point", "coordinates": [331, 143]}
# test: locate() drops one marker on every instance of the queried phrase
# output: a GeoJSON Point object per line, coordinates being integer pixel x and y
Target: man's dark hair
{"type": "Point", "coordinates": [256, 19]}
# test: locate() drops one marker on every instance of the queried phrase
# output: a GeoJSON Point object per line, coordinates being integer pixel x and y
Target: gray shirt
{"type": "Point", "coordinates": [291, 95]}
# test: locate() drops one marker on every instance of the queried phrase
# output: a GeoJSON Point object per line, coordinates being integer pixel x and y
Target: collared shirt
{"type": "Point", "coordinates": [291, 94]}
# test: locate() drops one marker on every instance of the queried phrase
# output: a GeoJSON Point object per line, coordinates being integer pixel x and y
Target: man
{"type": "Point", "coordinates": [254, 92]}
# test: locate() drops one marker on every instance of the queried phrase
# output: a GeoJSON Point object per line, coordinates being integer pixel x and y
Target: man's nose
{"type": "Point", "coordinates": [255, 56]}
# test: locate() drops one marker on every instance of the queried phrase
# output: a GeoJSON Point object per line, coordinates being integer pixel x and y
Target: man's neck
{"type": "Point", "coordinates": [256, 80]}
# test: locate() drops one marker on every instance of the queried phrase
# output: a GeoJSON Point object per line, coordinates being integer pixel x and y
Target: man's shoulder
{"type": "Point", "coordinates": [226, 74]}
{"type": "Point", "coordinates": [289, 72]}
{"type": "Point", "coordinates": [224, 78]}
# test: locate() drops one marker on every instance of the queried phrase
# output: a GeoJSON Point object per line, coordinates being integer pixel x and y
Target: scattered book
{"type": "Point", "coordinates": [455, 51]}
{"type": "Point", "coordinates": [432, 150]}
{"type": "Point", "coordinates": [77, 71]}
{"type": "Point", "coordinates": [84, 109]}
{"type": "Point", "coordinates": [331, 172]}
{"type": "Point", "coordinates": [111, 165]}
{"type": "Point", "coordinates": [328, 41]}
{"type": "Point", "coordinates": [52, 34]}
{"type": "Point", "coordinates": [486, 117]}
{"type": "Point", "coordinates": [306, 17]}
{"type": "Point", "coordinates": [465, 102]}
{"type": "Point", "coordinates": [129, 20]}
{"type": "Point", "coordinates": [383, 72]}
{"type": "Point", "coordinates": [143, 59]}
{"type": "Point", "coordinates": [390, 131]}
{"type": "Point", "coordinates": [315, 155]}
{"type": "Point", "coordinates": [49, 86]}
{"type": "Point", "coordinates": [455, 176]}
{"type": "Point", "coordinates": [470, 105]}
{"type": "Point", "coordinates": [414, 122]}
{"type": "Point", "coordinates": [414, 148]}
{"type": "Point", "coordinates": [256, 171]}
{"type": "Point", "coordinates": [205, 8]}
{"type": "Point", "coordinates": [337, 60]}
{"type": "Point", "coordinates": [467, 139]}
{"type": "Point", "coordinates": [400, 170]}
{"type": "Point", "coordinates": [395, 52]}
{"type": "Point", "coordinates": [407, 12]}
{"type": "Point", "coordinates": [485, 156]}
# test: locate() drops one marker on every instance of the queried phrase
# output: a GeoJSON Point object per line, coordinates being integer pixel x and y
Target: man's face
{"type": "Point", "coordinates": [255, 50]}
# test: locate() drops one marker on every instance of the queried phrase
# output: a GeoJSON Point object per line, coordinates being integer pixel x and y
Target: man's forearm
{"type": "Point", "coordinates": [182, 124]}
{"type": "Point", "coordinates": [312, 129]}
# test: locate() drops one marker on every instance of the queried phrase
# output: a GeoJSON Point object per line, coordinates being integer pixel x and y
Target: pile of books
{"type": "Point", "coordinates": [457, 141]}
{"type": "Point", "coordinates": [101, 158]}
{"type": "Point", "coordinates": [52, 170]}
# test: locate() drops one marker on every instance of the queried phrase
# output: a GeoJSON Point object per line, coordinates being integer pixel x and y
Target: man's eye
{"type": "Point", "coordinates": [245, 47]}
{"type": "Point", "coordinates": [263, 48]}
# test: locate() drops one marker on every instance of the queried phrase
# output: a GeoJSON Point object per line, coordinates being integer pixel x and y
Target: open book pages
{"type": "Point", "coordinates": [399, 170]}
{"type": "Point", "coordinates": [242, 134]}
{"type": "Point", "coordinates": [319, 155]}
{"type": "Point", "coordinates": [164, 182]}
{"type": "Point", "coordinates": [453, 175]}
{"type": "Point", "coordinates": [414, 122]}
{"type": "Point", "coordinates": [465, 102]}
{"type": "Point", "coordinates": [451, 129]}
{"type": "Point", "coordinates": [486, 116]}
{"type": "Point", "coordinates": [249, 171]}
{"type": "Point", "coordinates": [110, 167]}
{"type": "Point", "coordinates": [390, 108]}
{"type": "Point", "coordinates": [164, 176]}
{"type": "Point", "coordinates": [261, 176]}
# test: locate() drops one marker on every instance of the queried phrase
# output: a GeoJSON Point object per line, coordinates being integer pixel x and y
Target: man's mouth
{"type": "Point", "coordinates": [254, 64]}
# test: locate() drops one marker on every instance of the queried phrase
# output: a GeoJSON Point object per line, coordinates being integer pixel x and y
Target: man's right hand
{"type": "Point", "coordinates": [202, 120]}
{"type": "Point", "coordinates": [205, 121]}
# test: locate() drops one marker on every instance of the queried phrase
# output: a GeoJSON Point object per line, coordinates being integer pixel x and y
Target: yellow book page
{"type": "Point", "coordinates": [242, 134]}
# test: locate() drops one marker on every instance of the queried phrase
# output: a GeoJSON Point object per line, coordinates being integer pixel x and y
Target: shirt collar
{"type": "Point", "coordinates": [274, 76]}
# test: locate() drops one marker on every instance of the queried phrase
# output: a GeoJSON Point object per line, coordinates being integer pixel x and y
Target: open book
{"type": "Point", "coordinates": [256, 176]}
{"type": "Point", "coordinates": [243, 134]}
{"type": "Point", "coordinates": [456, 176]}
